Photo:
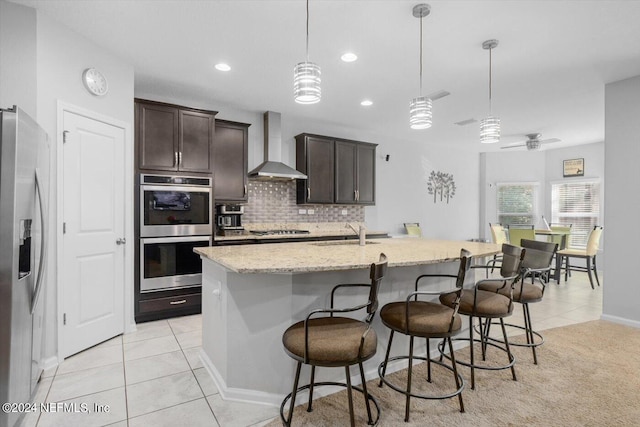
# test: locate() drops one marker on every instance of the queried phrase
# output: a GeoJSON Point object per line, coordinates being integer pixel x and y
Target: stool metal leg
{"type": "Point", "coordinates": [428, 362]}
{"type": "Point", "coordinates": [529, 331]}
{"type": "Point", "coordinates": [313, 376]}
{"type": "Point", "coordinates": [595, 270]}
{"type": "Point", "coordinates": [386, 358]}
{"type": "Point", "coordinates": [455, 372]}
{"type": "Point", "coordinates": [473, 373]}
{"type": "Point", "coordinates": [366, 393]}
{"type": "Point", "coordinates": [506, 344]}
{"type": "Point", "coordinates": [349, 393]}
{"type": "Point", "coordinates": [410, 369]}
{"type": "Point", "coordinates": [293, 395]}
{"type": "Point", "coordinates": [589, 268]}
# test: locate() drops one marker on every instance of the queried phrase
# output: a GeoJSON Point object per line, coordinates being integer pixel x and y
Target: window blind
{"type": "Point", "coordinates": [578, 204]}
{"type": "Point", "coordinates": [517, 203]}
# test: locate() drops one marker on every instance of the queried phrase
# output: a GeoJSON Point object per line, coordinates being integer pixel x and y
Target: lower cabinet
{"type": "Point", "coordinates": [156, 305]}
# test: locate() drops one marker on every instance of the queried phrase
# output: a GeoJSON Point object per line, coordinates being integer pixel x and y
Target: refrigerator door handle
{"type": "Point", "coordinates": [43, 247]}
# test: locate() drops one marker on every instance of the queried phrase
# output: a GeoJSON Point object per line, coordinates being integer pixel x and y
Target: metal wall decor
{"type": "Point", "coordinates": [441, 184]}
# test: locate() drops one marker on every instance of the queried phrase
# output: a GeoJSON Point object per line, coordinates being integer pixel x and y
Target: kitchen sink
{"type": "Point", "coordinates": [344, 242]}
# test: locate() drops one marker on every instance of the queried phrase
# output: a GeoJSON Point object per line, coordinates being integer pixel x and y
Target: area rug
{"type": "Point", "coordinates": [588, 374]}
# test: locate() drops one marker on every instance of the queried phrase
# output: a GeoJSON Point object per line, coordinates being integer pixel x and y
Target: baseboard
{"type": "Point", "coordinates": [621, 320]}
{"type": "Point", "coordinates": [49, 363]}
{"type": "Point", "coordinates": [131, 327]}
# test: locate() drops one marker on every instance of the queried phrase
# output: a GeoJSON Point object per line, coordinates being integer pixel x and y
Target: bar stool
{"type": "Point", "coordinates": [425, 319]}
{"type": "Point", "coordinates": [536, 264]}
{"type": "Point", "coordinates": [588, 254]}
{"type": "Point", "coordinates": [336, 341]}
{"type": "Point", "coordinates": [488, 305]}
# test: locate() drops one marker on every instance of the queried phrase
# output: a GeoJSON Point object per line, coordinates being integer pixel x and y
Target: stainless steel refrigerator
{"type": "Point", "coordinates": [24, 190]}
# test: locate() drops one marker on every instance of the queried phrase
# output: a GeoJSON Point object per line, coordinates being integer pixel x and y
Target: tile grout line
{"type": "Point", "coordinates": [124, 373]}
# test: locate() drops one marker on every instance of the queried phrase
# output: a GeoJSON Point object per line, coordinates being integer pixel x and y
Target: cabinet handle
{"type": "Point", "coordinates": [355, 195]}
{"type": "Point", "coordinates": [182, 301]}
{"type": "Point", "coordinates": [358, 192]}
{"type": "Point", "coordinates": [175, 158]}
{"type": "Point", "coordinates": [245, 190]}
{"type": "Point", "coordinates": [308, 192]}
{"type": "Point", "coordinates": [180, 158]}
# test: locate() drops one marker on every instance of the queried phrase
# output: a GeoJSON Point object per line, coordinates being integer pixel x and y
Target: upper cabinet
{"type": "Point", "coordinates": [339, 171]}
{"type": "Point", "coordinates": [174, 138]}
{"type": "Point", "coordinates": [315, 157]}
{"type": "Point", "coordinates": [355, 172]}
{"type": "Point", "coordinates": [230, 164]}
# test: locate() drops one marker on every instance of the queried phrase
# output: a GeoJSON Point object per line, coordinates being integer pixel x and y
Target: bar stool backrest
{"type": "Point", "coordinates": [465, 265]}
{"type": "Point", "coordinates": [539, 254]}
{"type": "Point", "coordinates": [511, 260]}
{"type": "Point", "coordinates": [594, 241]}
{"type": "Point", "coordinates": [377, 272]}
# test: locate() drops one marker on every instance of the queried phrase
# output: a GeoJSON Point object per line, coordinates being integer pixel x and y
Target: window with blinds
{"type": "Point", "coordinates": [576, 203]}
{"type": "Point", "coordinates": [517, 203]}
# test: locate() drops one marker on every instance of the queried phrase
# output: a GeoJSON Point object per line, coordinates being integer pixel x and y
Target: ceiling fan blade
{"type": "Point", "coordinates": [550, 141]}
{"type": "Point", "coordinates": [515, 145]}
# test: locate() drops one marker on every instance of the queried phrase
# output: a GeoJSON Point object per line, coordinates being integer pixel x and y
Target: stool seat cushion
{"type": "Point", "coordinates": [427, 319]}
{"type": "Point", "coordinates": [488, 304]}
{"type": "Point", "coordinates": [530, 293]}
{"type": "Point", "coordinates": [333, 341]}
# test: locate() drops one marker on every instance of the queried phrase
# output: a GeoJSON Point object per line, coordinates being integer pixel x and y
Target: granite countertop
{"type": "Point", "coordinates": [304, 257]}
{"type": "Point", "coordinates": [316, 230]}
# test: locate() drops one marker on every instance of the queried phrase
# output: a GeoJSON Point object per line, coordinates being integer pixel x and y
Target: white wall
{"type": "Point", "coordinates": [18, 57]}
{"type": "Point", "coordinates": [622, 151]}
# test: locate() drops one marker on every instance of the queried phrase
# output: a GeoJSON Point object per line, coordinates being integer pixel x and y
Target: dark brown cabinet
{"type": "Point", "coordinates": [315, 157]}
{"type": "Point", "coordinates": [230, 161]}
{"type": "Point", "coordinates": [174, 138]}
{"type": "Point", "coordinates": [339, 171]}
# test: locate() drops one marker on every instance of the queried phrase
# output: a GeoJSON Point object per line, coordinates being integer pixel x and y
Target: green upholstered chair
{"type": "Point", "coordinates": [519, 232]}
{"type": "Point", "coordinates": [325, 338]}
{"type": "Point", "coordinates": [413, 228]}
{"type": "Point", "coordinates": [536, 264]}
{"type": "Point", "coordinates": [562, 240]}
{"type": "Point", "coordinates": [415, 317]}
{"type": "Point", "coordinates": [588, 254]}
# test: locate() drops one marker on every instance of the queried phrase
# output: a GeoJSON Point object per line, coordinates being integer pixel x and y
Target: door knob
{"type": "Point", "coordinates": [121, 241]}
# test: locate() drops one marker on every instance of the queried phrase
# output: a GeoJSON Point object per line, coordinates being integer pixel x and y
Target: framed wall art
{"type": "Point", "coordinates": [572, 167]}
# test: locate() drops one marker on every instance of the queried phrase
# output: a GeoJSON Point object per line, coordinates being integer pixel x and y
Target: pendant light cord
{"type": "Point", "coordinates": [307, 30]}
{"type": "Point", "coordinates": [421, 56]}
{"type": "Point", "coordinates": [490, 109]}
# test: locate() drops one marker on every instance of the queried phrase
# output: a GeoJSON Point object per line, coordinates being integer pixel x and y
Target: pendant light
{"type": "Point", "coordinates": [490, 127]}
{"type": "Point", "coordinates": [420, 107]}
{"type": "Point", "coordinates": [306, 77]}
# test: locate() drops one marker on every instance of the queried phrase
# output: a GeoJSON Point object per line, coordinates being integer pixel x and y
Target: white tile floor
{"type": "Point", "coordinates": [154, 377]}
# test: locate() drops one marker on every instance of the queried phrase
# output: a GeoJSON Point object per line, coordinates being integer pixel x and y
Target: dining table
{"type": "Point", "coordinates": [562, 245]}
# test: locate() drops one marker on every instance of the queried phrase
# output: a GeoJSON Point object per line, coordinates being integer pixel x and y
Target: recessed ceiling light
{"type": "Point", "coordinates": [223, 67]}
{"type": "Point", "coordinates": [349, 57]}
{"type": "Point", "coordinates": [366, 103]}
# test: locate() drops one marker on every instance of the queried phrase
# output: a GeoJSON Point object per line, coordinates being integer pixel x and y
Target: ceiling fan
{"type": "Point", "coordinates": [533, 142]}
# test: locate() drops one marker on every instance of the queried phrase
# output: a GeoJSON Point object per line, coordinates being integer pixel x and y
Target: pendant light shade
{"type": "Point", "coordinates": [490, 130]}
{"type": "Point", "coordinates": [420, 108]}
{"type": "Point", "coordinates": [306, 83]}
{"type": "Point", "coordinates": [490, 126]}
{"type": "Point", "coordinates": [306, 77]}
{"type": "Point", "coordinates": [420, 113]}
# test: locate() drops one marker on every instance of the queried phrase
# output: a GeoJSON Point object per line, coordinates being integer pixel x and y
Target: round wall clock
{"type": "Point", "coordinates": [95, 82]}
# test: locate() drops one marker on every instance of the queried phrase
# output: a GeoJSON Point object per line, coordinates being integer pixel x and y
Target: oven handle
{"type": "Point", "coordinates": [152, 240]}
{"type": "Point", "coordinates": [182, 188]}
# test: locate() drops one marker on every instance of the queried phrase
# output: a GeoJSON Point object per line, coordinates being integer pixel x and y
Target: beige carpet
{"type": "Point", "coordinates": [588, 375]}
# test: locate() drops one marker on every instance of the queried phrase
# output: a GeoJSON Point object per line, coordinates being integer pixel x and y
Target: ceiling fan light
{"type": "Point", "coordinates": [490, 130]}
{"type": "Point", "coordinates": [533, 144]}
{"type": "Point", "coordinates": [306, 83]}
{"type": "Point", "coordinates": [420, 113]}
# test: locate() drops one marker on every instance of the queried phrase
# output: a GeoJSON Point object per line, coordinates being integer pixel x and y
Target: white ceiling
{"type": "Point", "coordinates": [549, 69]}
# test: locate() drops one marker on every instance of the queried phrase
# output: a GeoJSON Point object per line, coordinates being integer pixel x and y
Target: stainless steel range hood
{"type": "Point", "coordinates": [272, 168]}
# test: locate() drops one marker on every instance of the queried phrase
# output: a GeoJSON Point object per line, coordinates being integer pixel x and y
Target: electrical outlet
{"type": "Point", "coordinates": [344, 212]}
{"type": "Point", "coordinates": [311, 211]}
{"type": "Point", "coordinates": [302, 211]}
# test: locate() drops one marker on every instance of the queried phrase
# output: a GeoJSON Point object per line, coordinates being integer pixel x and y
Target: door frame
{"type": "Point", "coordinates": [128, 321]}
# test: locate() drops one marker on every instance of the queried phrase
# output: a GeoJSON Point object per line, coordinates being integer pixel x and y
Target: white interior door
{"type": "Point", "coordinates": [93, 215]}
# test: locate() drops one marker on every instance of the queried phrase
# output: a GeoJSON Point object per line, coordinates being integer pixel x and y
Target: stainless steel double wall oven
{"type": "Point", "coordinates": [175, 217]}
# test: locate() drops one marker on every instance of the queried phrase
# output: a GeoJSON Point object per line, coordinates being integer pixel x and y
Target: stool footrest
{"type": "Point", "coordinates": [517, 344]}
{"type": "Point", "coordinates": [330, 383]}
{"type": "Point", "coordinates": [420, 396]}
{"type": "Point", "coordinates": [512, 359]}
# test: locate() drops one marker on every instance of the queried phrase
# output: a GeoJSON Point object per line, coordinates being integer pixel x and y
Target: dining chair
{"type": "Point", "coordinates": [326, 339]}
{"type": "Point", "coordinates": [413, 228]}
{"type": "Point", "coordinates": [517, 232]}
{"type": "Point", "coordinates": [588, 254]}
{"type": "Point", "coordinates": [498, 236]}
{"type": "Point", "coordinates": [414, 317]}
{"type": "Point", "coordinates": [487, 305]}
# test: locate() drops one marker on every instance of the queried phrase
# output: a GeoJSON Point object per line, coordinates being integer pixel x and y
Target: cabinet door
{"type": "Point", "coordinates": [196, 136]}
{"type": "Point", "coordinates": [346, 172]}
{"type": "Point", "coordinates": [158, 137]}
{"type": "Point", "coordinates": [230, 162]}
{"type": "Point", "coordinates": [366, 173]}
{"type": "Point", "coordinates": [320, 170]}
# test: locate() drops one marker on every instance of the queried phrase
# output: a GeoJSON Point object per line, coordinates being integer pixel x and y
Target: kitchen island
{"type": "Point", "coordinates": [252, 293]}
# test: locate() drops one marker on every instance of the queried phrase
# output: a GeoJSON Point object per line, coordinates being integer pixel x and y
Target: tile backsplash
{"type": "Point", "coordinates": [275, 202]}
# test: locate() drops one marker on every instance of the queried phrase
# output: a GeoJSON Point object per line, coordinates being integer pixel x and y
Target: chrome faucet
{"type": "Point", "coordinates": [361, 232]}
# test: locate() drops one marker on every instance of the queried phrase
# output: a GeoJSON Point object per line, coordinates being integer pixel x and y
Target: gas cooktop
{"type": "Point", "coordinates": [272, 232]}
